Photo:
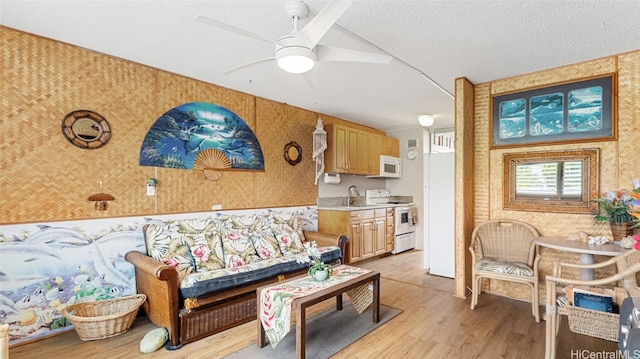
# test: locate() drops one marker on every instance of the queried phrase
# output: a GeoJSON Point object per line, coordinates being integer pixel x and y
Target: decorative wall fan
{"type": "Point", "coordinates": [298, 51]}
{"type": "Point", "coordinates": [210, 161]}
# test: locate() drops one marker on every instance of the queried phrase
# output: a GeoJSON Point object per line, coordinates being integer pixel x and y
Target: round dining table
{"type": "Point", "coordinates": [586, 251]}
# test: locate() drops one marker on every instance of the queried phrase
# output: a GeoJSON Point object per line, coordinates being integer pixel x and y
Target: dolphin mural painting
{"type": "Point", "coordinates": [53, 267]}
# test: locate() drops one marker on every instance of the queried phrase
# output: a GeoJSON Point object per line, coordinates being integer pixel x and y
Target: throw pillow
{"type": "Point", "coordinates": [287, 229]}
{"type": "Point", "coordinates": [203, 235]}
{"type": "Point", "coordinates": [207, 251]}
{"type": "Point", "coordinates": [170, 247]}
{"type": "Point", "coordinates": [261, 235]}
{"type": "Point", "coordinates": [237, 246]}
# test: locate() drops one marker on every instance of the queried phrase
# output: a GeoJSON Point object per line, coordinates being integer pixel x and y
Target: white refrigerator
{"type": "Point", "coordinates": [439, 193]}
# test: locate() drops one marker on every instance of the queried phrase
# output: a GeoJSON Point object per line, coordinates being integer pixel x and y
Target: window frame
{"type": "Point", "coordinates": [590, 159]}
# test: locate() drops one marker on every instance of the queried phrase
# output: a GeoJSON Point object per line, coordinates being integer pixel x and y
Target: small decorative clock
{"type": "Point", "coordinates": [86, 129]}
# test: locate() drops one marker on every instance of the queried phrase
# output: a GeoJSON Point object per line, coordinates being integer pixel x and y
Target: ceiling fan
{"type": "Point", "coordinates": [298, 51]}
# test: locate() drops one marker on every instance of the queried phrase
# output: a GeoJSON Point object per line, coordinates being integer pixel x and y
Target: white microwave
{"type": "Point", "coordinates": [390, 167]}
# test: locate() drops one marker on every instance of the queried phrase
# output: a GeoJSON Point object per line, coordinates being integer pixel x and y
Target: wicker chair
{"type": "Point", "coordinates": [505, 250]}
{"type": "Point", "coordinates": [583, 321]}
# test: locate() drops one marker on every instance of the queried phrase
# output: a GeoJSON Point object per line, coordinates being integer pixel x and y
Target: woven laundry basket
{"type": "Point", "coordinates": [104, 318]}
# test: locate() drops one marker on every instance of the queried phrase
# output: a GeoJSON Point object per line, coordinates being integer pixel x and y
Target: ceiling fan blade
{"type": "Point", "coordinates": [221, 25]}
{"type": "Point", "coordinates": [328, 53]}
{"type": "Point", "coordinates": [321, 23]}
{"type": "Point", "coordinates": [249, 64]}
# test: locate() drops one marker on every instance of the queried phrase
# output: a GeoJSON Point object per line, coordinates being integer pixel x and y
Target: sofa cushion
{"type": "Point", "coordinates": [260, 234]}
{"type": "Point", "coordinates": [266, 245]}
{"type": "Point", "coordinates": [236, 242]}
{"type": "Point", "coordinates": [202, 283]}
{"type": "Point", "coordinates": [170, 247]}
{"type": "Point", "coordinates": [206, 249]}
{"type": "Point", "coordinates": [288, 231]}
{"type": "Point", "coordinates": [203, 237]}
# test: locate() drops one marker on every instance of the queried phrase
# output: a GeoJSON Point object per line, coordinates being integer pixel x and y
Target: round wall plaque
{"type": "Point", "coordinates": [86, 129]}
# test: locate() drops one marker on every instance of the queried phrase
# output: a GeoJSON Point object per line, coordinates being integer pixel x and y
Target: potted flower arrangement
{"type": "Point", "coordinates": [620, 208]}
{"type": "Point", "coordinates": [318, 270]}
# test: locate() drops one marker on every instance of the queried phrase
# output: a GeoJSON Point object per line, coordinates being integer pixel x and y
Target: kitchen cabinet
{"type": "Point", "coordinates": [366, 229]}
{"type": "Point", "coordinates": [355, 151]}
{"type": "Point", "coordinates": [374, 150]}
{"type": "Point", "coordinates": [369, 151]}
{"type": "Point", "coordinates": [390, 233]}
{"type": "Point", "coordinates": [342, 149]}
{"type": "Point", "coordinates": [390, 146]}
{"type": "Point", "coordinates": [379, 232]}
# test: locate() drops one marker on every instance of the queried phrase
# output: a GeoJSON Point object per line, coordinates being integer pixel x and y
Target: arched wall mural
{"type": "Point", "coordinates": [201, 135]}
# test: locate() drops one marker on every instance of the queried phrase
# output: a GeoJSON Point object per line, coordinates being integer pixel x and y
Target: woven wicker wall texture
{"type": "Point", "coordinates": [482, 168]}
{"type": "Point", "coordinates": [619, 162]}
{"type": "Point", "coordinates": [43, 177]}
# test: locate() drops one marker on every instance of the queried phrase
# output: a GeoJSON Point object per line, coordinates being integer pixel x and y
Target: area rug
{"type": "Point", "coordinates": [327, 333]}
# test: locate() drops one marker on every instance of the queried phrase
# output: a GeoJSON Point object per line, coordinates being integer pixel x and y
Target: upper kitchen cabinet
{"type": "Point", "coordinates": [342, 149]}
{"type": "Point", "coordinates": [356, 151]}
{"type": "Point", "coordinates": [390, 146]}
{"type": "Point", "coordinates": [369, 151]}
{"type": "Point", "coordinates": [374, 150]}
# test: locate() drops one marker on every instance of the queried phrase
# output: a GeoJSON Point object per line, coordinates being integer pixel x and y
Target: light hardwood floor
{"type": "Point", "coordinates": [434, 324]}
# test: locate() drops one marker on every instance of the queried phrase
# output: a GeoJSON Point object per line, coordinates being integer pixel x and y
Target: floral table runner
{"type": "Point", "coordinates": [275, 302]}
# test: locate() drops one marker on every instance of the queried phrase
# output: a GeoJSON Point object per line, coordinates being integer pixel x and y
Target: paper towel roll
{"type": "Point", "coordinates": [331, 179]}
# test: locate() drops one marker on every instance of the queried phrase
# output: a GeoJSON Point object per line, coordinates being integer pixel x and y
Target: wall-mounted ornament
{"type": "Point", "coordinates": [86, 129]}
{"type": "Point", "coordinates": [319, 146]}
{"type": "Point", "coordinates": [202, 136]}
{"type": "Point", "coordinates": [292, 153]}
{"type": "Point", "coordinates": [211, 162]}
{"type": "Point", "coordinates": [101, 200]}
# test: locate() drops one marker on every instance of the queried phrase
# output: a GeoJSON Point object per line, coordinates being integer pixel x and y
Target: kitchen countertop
{"type": "Point", "coordinates": [364, 207]}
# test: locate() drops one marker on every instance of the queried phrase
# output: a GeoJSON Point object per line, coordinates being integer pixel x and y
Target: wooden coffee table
{"type": "Point", "coordinates": [336, 290]}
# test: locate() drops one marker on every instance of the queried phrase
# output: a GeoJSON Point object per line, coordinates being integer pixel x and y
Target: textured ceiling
{"type": "Point", "coordinates": [432, 41]}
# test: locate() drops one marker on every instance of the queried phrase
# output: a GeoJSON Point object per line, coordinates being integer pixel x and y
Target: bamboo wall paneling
{"type": "Point", "coordinates": [281, 124]}
{"type": "Point", "coordinates": [43, 177]}
{"type": "Point", "coordinates": [619, 160]}
{"type": "Point", "coordinates": [629, 113]}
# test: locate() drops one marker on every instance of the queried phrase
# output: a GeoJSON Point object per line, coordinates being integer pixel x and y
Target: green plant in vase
{"type": "Point", "coordinates": [318, 270]}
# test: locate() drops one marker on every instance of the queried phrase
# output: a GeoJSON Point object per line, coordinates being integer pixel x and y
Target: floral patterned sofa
{"type": "Point", "coordinates": [200, 275]}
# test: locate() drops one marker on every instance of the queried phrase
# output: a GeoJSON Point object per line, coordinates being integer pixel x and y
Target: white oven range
{"type": "Point", "coordinates": [405, 231]}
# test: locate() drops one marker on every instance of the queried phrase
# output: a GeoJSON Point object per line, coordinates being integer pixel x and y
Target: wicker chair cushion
{"type": "Point", "coordinates": [288, 231]}
{"type": "Point", "coordinates": [202, 283]}
{"type": "Point", "coordinates": [506, 267]}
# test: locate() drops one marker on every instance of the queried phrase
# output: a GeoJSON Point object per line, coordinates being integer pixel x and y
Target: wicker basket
{"type": "Point", "coordinates": [104, 318]}
{"type": "Point", "coordinates": [593, 323]}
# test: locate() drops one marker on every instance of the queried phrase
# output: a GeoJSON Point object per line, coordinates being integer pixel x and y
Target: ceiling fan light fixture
{"type": "Point", "coordinates": [295, 59]}
{"type": "Point", "coordinates": [426, 120]}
